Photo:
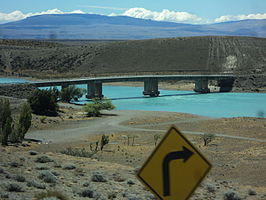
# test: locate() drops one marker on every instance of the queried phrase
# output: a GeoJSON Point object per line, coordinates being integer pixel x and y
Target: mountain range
{"type": "Point", "coordinates": [100, 27]}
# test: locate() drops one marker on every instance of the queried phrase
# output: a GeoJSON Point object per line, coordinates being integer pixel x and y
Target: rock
{"type": "Point", "coordinates": [252, 192]}
{"type": "Point", "coordinates": [2, 170]}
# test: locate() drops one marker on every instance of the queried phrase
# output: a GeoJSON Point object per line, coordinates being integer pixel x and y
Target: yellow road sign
{"type": "Point", "coordinates": [175, 168]}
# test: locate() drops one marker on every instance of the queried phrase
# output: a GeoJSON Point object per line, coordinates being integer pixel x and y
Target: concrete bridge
{"type": "Point", "coordinates": [94, 85]}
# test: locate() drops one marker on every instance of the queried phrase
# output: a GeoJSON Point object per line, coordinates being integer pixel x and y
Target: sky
{"type": "Point", "coordinates": [181, 11]}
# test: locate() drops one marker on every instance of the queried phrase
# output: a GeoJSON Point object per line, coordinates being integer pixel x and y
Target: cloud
{"type": "Point", "coordinates": [240, 17]}
{"type": "Point", "coordinates": [105, 7]}
{"type": "Point", "coordinates": [164, 15]}
{"type": "Point", "coordinates": [18, 15]}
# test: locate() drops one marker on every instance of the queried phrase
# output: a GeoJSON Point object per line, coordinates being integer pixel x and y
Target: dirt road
{"type": "Point", "coordinates": [115, 122]}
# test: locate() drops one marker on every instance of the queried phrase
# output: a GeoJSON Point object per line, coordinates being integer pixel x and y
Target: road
{"type": "Point", "coordinates": [111, 122]}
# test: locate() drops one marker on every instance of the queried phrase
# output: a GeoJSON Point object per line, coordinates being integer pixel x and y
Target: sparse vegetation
{"type": "Point", "coordinates": [5, 121]}
{"type": "Point", "coordinates": [51, 195]}
{"type": "Point", "coordinates": [42, 119]}
{"type": "Point", "coordinates": [9, 131]}
{"type": "Point", "coordinates": [43, 102]}
{"type": "Point", "coordinates": [43, 159]}
{"type": "Point", "coordinates": [71, 93]}
{"type": "Point", "coordinates": [231, 195]}
{"type": "Point", "coordinates": [77, 152]}
{"type": "Point", "coordinates": [207, 138]}
{"type": "Point", "coordinates": [94, 109]}
{"type": "Point", "coordinates": [24, 123]}
{"type": "Point", "coordinates": [47, 177]}
{"type": "Point", "coordinates": [13, 187]}
{"type": "Point", "coordinates": [104, 141]}
{"type": "Point", "coordinates": [156, 137]}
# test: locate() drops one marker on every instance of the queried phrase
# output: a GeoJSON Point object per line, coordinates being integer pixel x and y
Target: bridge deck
{"type": "Point", "coordinates": [129, 78]}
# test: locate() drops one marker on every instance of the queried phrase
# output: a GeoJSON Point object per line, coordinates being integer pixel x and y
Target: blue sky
{"type": "Point", "coordinates": [187, 11]}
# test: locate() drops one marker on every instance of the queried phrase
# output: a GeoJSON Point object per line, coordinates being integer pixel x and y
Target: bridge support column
{"type": "Point", "coordinates": [226, 85]}
{"type": "Point", "coordinates": [94, 90]}
{"type": "Point", "coordinates": [64, 86]}
{"type": "Point", "coordinates": [201, 86]}
{"type": "Point", "coordinates": [151, 87]}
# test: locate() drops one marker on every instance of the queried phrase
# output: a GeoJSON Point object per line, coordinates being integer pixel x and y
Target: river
{"type": "Point", "coordinates": [211, 105]}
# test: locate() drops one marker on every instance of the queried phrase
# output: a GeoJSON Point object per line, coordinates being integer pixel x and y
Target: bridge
{"type": "Point", "coordinates": [94, 85]}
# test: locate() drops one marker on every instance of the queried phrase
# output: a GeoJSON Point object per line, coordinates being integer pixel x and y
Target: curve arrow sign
{"type": "Point", "coordinates": [185, 155]}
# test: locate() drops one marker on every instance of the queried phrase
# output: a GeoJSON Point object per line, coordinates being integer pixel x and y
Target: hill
{"type": "Point", "coordinates": [90, 26]}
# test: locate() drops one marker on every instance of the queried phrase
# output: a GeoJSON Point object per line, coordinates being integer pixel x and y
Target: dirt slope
{"type": "Point", "coordinates": [244, 55]}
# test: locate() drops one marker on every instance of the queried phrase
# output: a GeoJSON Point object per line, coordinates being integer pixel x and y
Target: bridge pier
{"type": "Point", "coordinates": [94, 90]}
{"type": "Point", "coordinates": [201, 86]}
{"type": "Point", "coordinates": [226, 85]}
{"type": "Point", "coordinates": [151, 87]}
{"type": "Point", "coordinates": [63, 86]}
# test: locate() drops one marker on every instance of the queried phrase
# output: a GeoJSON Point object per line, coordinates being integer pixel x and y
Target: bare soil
{"type": "Point", "coordinates": [238, 164]}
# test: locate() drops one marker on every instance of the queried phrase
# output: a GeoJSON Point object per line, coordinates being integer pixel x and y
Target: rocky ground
{"type": "Point", "coordinates": [70, 167]}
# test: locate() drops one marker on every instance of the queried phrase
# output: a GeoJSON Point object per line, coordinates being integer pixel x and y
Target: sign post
{"type": "Point", "coordinates": [175, 168]}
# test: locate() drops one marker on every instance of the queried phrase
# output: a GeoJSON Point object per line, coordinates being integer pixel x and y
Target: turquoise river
{"type": "Point", "coordinates": [210, 105]}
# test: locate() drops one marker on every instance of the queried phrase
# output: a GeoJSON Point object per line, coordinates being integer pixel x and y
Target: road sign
{"type": "Point", "coordinates": [175, 168]}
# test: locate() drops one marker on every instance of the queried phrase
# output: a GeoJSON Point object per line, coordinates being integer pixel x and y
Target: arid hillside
{"type": "Point", "coordinates": [243, 55]}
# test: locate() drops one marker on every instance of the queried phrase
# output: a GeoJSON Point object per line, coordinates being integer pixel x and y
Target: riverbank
{"type": "Point", "coordinates": [230, 156]}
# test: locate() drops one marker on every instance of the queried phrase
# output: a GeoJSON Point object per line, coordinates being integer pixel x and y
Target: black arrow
{"type": "Point", "coordinates": [185, 155]}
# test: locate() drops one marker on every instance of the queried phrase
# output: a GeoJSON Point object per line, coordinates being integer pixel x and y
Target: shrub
{"type": "Point", "coordinates": [47, 177]}
{"type": "Point", "coordinates": [69, 167]}
{"type": "Point", "coordinates": [93, 109]}
{"type": "Point", "coordinates": [43, 102]}
{"type": "Point", "coordinates": [104, 141]}
{"type": "Point", "coordinates": [42, 119]}
{"type": "Point", "coordinates": [20, 178]}
{"type": "Point", "coordinates": [43, 159]}
{"type": "Point", "coordinates": [24, 121]}
{"type": "Point", "coordinates": [86, 193]}
{"type": "Point", "coordinates": [5, 121]}
{"type": "Point", "coordinates": [77, 152]}
{"type": "Point", "coordinates": [13, 187]}
{"type": "Point", "coordinates": [207, 138]}
{"type": "Point", "coordinates": [156, 137]}
{"type": "Point", "coordinates": [51, 195]}
{"type": "Point", "coordinates": [231, 195]}
{"type": "Point", "coordinates": [71, 93]}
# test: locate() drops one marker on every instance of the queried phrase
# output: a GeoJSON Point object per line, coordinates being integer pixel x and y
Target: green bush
{"type": "Point", "coordinates": [42, 119]}
{"type": "Point", "coordinates": [104, 141]}
{"type": "Point", "coordinates": [94, 109]}
{"type": "Point", "coordinates": [50, 195]}
{"type": "Point", "coordinates": [207, 138]}
{"type": "Point", "coordinates": [8, 130]}
{"type": "Point", "coordinates": [24, 120]}
{"type": "Point", "coordinates": [5, 121]}
{"type": "Point", "coordinates": [71, 93]}
{"type": "Point", "coordinates": [43, 102]}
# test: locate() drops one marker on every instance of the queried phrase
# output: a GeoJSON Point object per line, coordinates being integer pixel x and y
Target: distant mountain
{"type": "Point", "coordinates": [90, 26]}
